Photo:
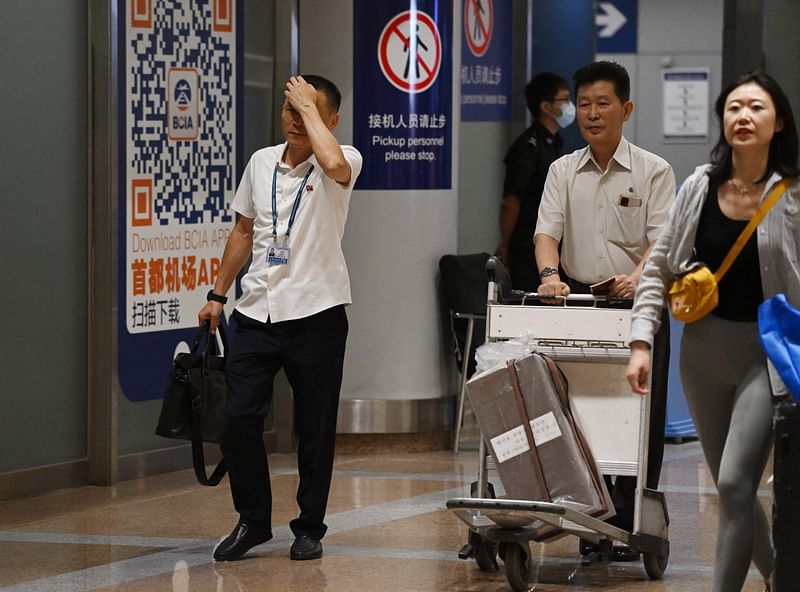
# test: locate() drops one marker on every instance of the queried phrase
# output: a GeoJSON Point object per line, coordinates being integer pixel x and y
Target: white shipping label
{"type": "Point", "coordinates": [545, 428]}
{"type": "Point", "coordinates": [510, 444]}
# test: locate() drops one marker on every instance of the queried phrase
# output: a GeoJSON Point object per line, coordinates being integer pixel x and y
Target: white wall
{"type": "Point", "coordinates": [482, 146]}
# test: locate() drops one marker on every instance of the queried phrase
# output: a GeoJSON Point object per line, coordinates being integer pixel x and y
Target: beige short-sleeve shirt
{"type": "Point", "coordinates": [605, 220]}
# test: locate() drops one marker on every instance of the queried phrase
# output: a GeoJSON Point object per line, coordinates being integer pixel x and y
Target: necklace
{"type": "Point", "coordinates": [741, 189]}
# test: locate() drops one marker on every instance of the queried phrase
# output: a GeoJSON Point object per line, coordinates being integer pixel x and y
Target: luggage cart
{"type": "Point", "coordinates": [588, 337]}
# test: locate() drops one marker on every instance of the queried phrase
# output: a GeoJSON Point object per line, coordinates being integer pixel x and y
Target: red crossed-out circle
{"type": "Point", "coordinates": [391, 57]}
{"type": "Point", "coordinates": [484, 21]}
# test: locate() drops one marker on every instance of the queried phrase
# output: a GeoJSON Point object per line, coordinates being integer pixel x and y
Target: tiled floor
{"type": "Point", "coordinates": [388, 530]}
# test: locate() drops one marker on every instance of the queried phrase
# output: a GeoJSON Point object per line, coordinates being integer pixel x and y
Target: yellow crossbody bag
{"type": "Point", "coordinates": [695, 294]}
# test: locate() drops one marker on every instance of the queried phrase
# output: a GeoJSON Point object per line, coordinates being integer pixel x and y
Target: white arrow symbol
{"type": "Point", "coordinates": [610, 21]}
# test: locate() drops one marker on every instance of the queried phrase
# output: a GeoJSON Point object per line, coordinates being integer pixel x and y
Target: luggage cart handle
{"type": "Point", "coordinates": [501, 291]}
{"type": "Point", "coordinates": [585, 298]}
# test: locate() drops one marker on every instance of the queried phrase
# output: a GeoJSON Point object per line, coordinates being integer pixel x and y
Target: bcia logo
{"type": "Point", "coordinates": [183, 110]}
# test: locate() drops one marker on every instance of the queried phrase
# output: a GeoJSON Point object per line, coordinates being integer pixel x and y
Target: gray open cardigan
{"type": "Point", "coordinates": [778, 238]}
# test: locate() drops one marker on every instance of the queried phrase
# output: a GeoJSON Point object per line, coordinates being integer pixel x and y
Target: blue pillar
{"type": "Point", "coordinates": [562, 40]}
{"type": "Point", "coordinates": [679, 421]}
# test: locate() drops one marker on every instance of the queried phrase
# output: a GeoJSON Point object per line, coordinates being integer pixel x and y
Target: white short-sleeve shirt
{"type": "Point", "coordinates": [316, 277]}
{"type": "Point", "coordinates": [605, 220]}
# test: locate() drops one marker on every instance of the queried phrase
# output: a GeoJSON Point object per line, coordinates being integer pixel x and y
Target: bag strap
{"type": "Point", "coordinates": [198, 454]}
{"type": "Point", "coordinates": [211, 342]}
{"type": "Point", "coordinates": [199, 461]}
{"type": "Point", "coordinates": [537, 465]}
{"type": "Point", "coordinates": [748, 231]}
{"type": "Point", "coordinates": [562, 388]}
{"type": "Point", "coordinates": [201, 330]}
{"type": "Point", "coordinates": [559, 380]}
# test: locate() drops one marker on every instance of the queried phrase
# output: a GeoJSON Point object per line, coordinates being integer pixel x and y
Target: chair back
{"type": "Point", "coordinates": [464, 290]}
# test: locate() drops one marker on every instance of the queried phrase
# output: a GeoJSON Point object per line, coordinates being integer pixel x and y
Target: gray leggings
{"type": "Point", "coordinates": [724, 374]}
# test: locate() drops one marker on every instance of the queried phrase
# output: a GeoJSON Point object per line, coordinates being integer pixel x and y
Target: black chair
{"type": "Point", "coordinates": [465, 290]}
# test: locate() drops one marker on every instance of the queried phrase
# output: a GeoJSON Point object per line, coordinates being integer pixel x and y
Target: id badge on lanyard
{"type": "Point", "coordinates": [278, 252]}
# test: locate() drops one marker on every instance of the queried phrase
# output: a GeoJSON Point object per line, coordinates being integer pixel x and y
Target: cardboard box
{"type": "Point", "coordinates": [538, 448]}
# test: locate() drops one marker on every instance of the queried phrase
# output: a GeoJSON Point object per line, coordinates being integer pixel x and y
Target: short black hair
{"type": "Point", "coordinates": [783, 148]}
{"type": "Point", "coordinates": [604, 72]}
{"type": "Point", "coordinates": [543, 87]}
{"type": "Point", "coordinates": [326, 87]}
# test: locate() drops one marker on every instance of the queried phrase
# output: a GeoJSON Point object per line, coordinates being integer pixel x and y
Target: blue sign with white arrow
{"type": "Point", "coordinates": [615, 26]}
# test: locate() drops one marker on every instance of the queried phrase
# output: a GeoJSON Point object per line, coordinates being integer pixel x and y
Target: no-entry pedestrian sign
{"type": "Point", "coordinates": [402, 93]}
{"type": "Point", "coordinates": [478, 25]}
{"type": "Point", "coordinates": [486, 61]}
{"type": "Point", "coordinates": [410, 51]}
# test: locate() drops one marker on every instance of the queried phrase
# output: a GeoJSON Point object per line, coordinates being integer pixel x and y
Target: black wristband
{"type": "Point", "coordinates": [216, 297]}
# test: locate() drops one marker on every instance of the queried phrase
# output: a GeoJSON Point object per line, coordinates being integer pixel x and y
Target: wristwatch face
{"type": "Point", "coordinates": [547, 271]}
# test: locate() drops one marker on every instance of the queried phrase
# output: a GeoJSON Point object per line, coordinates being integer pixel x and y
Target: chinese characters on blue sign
{"type": "Point", "coordinates": [402, 66]}
{"type": "Point", "coordinates": [486, 61]}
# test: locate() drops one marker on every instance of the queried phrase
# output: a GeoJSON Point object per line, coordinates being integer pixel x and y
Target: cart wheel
{"type": "Point", "coordinates": [655, 565]}
{"type": "Point", "coordinates": [501, 551]}
{"type": "Point", "coordinates": [517, 567]}
{"type": "Point", "coordinates": [486, 556]}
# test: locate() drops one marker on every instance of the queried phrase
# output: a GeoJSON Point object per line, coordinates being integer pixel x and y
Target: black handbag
{"type": "Point", "coordinates": [194, 400]}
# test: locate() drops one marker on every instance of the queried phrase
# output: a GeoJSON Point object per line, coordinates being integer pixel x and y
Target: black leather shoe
{"type": "Point", "coordinates": [624, 553]}
{"type": "Point", "coordinates": [304, 547]}
{"type": "Point", "coordinates": [243, 538]}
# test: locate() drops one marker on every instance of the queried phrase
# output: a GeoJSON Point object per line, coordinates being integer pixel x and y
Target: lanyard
{"type": "Point", "coordinates": [295, 207]}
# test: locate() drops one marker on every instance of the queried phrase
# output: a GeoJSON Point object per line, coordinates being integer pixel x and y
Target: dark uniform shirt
{"type": "Point", "coordinates": [527, 163]}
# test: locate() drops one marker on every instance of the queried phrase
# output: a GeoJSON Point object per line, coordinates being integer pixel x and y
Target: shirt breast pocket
{"type": "Point", "coordinates": [625, 222]}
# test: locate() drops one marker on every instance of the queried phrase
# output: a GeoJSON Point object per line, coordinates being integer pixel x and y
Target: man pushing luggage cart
{"type": "Point", "coordinates": [597, 421]}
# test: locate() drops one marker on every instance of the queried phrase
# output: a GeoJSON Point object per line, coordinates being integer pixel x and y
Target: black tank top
{"type": "Point", "coordinates": [740, 291]}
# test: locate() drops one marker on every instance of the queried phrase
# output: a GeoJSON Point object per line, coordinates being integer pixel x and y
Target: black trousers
{"type": "Point", "coordinates": [311, 352]}
{"type": "Point", "coordinates": [623, 489]}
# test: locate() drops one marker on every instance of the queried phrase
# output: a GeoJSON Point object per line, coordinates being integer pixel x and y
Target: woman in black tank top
{"type": "Point", "coordinates": [723, 368]}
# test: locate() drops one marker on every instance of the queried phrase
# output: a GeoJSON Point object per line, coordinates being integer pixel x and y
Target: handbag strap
{"type": "Point", "coordinates": [211, 342]}
{"type": "Point", "coordinates": [205, 330]}
{"type": "Point", "coordinates": [748, 231]}
{"type": "Point", "coordinates": [199, 462]}
{"type": "Point", "coordinates": [201, 330]}
{"type": "Point", "coordinates": [198, 454]}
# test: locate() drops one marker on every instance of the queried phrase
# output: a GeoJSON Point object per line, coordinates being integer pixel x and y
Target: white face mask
{"type": "Point", "coordinates": [567, 115]}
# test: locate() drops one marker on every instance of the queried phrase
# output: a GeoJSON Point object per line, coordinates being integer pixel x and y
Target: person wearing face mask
{"type": "Point", "coordinates": [527, 161]}
{"type": "Point", "coordinates": [729, 386]}
{"type": "Point", "coordinates": [604, 206]}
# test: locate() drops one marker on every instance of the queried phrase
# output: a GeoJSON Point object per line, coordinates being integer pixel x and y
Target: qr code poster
{"type": "Point", "coordinates": [180, 156]}
{"type": "Point", "coordinates": [179, 85]}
